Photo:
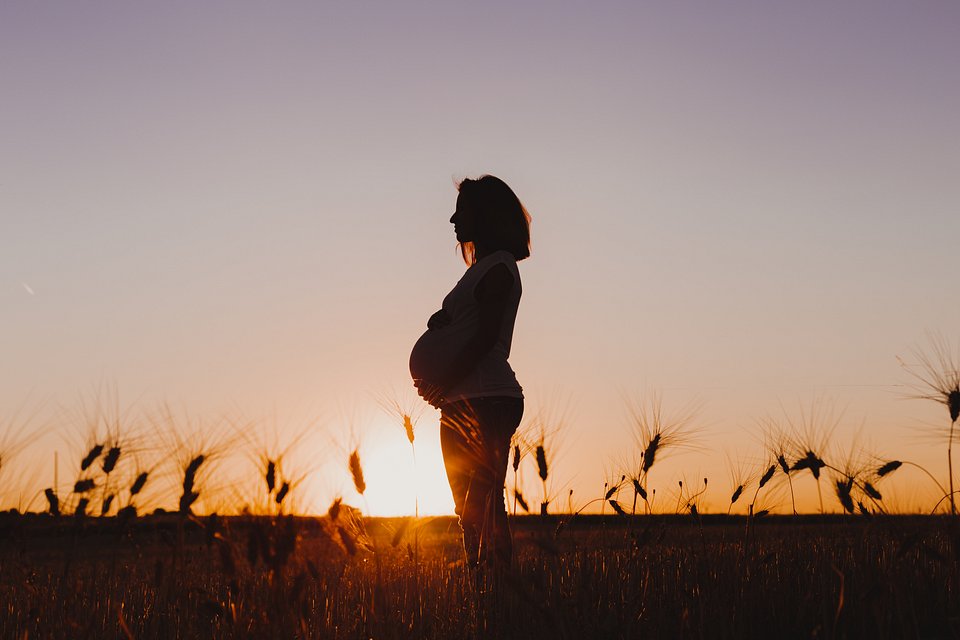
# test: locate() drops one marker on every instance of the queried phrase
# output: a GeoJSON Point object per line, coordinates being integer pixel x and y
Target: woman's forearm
{"type": "Point", "coordinates": [466, 361]}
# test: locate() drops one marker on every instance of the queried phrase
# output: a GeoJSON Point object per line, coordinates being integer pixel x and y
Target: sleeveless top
{"type": "Point", "coordinates": [436, 348]}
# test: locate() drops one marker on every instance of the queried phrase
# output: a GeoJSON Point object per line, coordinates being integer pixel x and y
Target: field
{"type": "Point", "coordinates": [345, 576]}
{"type": "Point", "coordinates": [131, 544]}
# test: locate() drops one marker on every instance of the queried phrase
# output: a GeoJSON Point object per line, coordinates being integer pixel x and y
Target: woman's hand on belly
{"type": "Point", "coordinates": [439, 320]}
{"type": "Point", "coordinates": [431, 393]}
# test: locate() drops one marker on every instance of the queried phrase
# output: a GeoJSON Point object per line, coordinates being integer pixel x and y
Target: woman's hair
{"type": "Point", "coordinates": [501, 221]}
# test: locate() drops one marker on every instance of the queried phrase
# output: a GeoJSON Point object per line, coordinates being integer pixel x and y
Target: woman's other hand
{"type": "Point", "coordinates": [438, 320]}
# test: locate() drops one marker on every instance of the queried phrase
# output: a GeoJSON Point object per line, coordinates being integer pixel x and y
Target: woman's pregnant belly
{"type": "Point", "coordinates": [433, 352]}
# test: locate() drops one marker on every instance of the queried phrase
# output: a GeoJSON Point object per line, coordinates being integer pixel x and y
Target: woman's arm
{"type": "Point", "coordinates": [492, 294]}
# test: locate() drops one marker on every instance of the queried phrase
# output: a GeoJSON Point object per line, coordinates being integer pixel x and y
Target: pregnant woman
{"type": "Point", "coordinates": [460, 364]}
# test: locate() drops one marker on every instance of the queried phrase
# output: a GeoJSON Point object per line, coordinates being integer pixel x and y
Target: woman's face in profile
{"type": "Point", "coordinates": [464, 221]}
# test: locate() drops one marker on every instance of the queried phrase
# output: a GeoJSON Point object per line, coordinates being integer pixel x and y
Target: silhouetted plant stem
{"type": "Point", "coordinates": [820, 495]}
{"type": "Point", "coordinates": [929, 475]}
{"type": "Point", "coordinates": [953, 504]}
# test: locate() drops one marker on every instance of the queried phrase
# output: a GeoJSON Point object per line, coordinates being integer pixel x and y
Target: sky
{"type": "Point", "coordinates": [241, 209]}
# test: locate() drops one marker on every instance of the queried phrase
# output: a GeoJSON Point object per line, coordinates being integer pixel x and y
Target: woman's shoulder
{"type": "Point", "coordinates": [496, 257]}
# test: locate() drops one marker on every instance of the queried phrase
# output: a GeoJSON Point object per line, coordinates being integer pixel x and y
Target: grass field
{"type": "Point", "coordinates": [597, 577]}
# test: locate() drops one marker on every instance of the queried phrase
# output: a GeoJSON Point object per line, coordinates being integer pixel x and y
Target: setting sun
{"type": "Point", "coordinates": [394, 484]}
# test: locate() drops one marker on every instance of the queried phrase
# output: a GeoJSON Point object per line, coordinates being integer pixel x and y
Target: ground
{"type": "Point", "coordinates": [167, 576]}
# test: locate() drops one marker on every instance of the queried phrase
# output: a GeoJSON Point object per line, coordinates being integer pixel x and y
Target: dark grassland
{"type": "Point", "coordinates": [167, 576]}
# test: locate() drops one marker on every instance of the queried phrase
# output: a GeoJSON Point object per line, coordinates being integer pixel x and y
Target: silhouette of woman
{"type": "Point", "coordinates": [459, 365]}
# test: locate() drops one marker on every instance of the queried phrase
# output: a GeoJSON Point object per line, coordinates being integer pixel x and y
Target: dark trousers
{"type": "Point", "coordinates": [475, 440]}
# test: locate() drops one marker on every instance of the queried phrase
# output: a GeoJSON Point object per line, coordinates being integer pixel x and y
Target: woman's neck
{"type": "Point", "coordinates": [481, 253]}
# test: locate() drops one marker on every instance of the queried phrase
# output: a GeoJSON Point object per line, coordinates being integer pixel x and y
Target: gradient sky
{"type": "Point", "coordinates": [241, 204]}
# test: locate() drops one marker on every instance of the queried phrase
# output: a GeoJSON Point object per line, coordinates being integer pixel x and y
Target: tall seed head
{"type": "Point", "coordinates": [92, 455]}
{"type": "Point", "coordinates": [284, 490]}
{"type": "Point", "coordinates": [650, 453]}
{"type": "Point", "coordinates": [767, 475]}
{"type": "Point", "coordinates": [736, 494]}
{"type": "Point", "coordinates": [889, 467]}
{"type": "Point", "coordinates": [53, 502]}
{"type": "Point", "coordinates": [516, 457]}
{"type": "Point", "coordinates": [810, 461]}
{"type": "Point", "coordinates": [110, 460]}
{"type": "Point", "coordinates": [953, 403]}
{"type": "Point", "coordinates": [334, 511]}
{"type": "Point", "coordinates": [356, 470]}
{"type": "Point", "coordinates": [138, 483]}
{"type": "Point", "coordinates": [843, 493]}
{"type": "Point", "coordinates": [782, 461]}
{"type": "Point", "coordinates": [107, 503]}
{"type": "Point", "coordinates": [638, 489]}
{"type": "Point", "coordinates": [194, 465]}
{"type": "Point", "coordinates": [271, 476]}
{"type": "Point", "coordinates": [190, 475]}
{"type": "Point", "coordinates": [542, 462]}
{"type": "Point", "coordinates": [408, 427]}
{"type": "Point", "coordinates": [187, 500]}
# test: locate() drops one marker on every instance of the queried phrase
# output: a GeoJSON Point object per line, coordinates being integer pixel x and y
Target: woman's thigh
{"type": "Point", "coordinates": [498, 419]}
{"type": "Point", "coordinates": [480, 430]}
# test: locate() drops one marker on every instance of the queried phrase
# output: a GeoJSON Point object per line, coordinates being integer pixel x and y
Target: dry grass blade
{"type": "Point", "coordinates": [399, 533]}
{"type": "Point", "coordinates": [348, 539]}
{"type": "Point", "coordinates": [521, 501]}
